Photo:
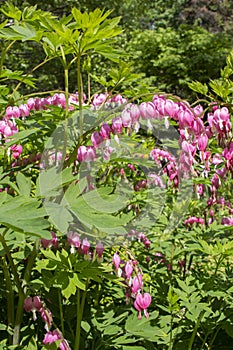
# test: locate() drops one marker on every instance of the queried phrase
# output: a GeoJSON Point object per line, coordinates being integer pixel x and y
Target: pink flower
{"type": "Point", "coordinates": [186, 118]}
{"type": "Point", "coordinates": [99, 249]}
{"type": "Point", "coordinates": [198, 110]}
{"type": "Point", "coordinates": [126, 118]}
{"type": "Point", "coordinates": [73, 239]}
{"type": "Point", "coordinates": [137, 283]}
{"type": "Point", "coordinates": [31, 103]}
{"type": "Point", "coordinates": [12, 112]}
{"type": "Point", "coordinates": [128, 269]}
{"type": "Point", "coordinates": [32, 303]}
{"type": "Point", "coordinates": [99, 99]}
{"type": "Point", "coordinates": [227, 221]}
{"type": "Point", "coordinates": [52, 336]}
{"type": "Point", "coordinates": [141, 184]}
{"type": "Point", "coordinates": [96, 139]}
{"type": "Point", "coordinates": [105, 131]}
{"type": "Point", "coordinates": [16, 151]}
{"type": "Point", "coordinates": [48, 243]}
{"type": "Point", "coordinates": [134, 112]}
{"type": "Point", "coordinates": [141, 303]}
{"type": "Point", "coordinates": [202, 142]}
{"type": "Point", "coordinates": [118, 99]}
{"type": "Point", "coordinates": [117, 125]}
{"type": "Point", "coordinates": [85, 246]}
{"type": "Point", "coordinates": [170, 108]}
{"type": "Point", "coordinates": [216, 182]}
{"type": "Point", "coordinates": [116, 261]}
{"type": "Point", "coordinates": [192, 220]}
{"type": "Point", "coordinates": [86, 154]}
{"type": "Point", "coordinates": [47, 317]}
{"type": "Point", "coordinates": [147, 110]}
{"type": "Point", "coordinates": [24, 110]}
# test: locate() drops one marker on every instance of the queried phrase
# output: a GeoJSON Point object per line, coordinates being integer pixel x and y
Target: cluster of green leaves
{"type": "Point", "coordinates": [219, 90]}
{"type": "Point", "coordinates": [175, 57]}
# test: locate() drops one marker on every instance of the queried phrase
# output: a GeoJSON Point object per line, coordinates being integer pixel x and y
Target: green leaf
{"type": "Point", "coordinates": [102, 200]}
{"type": "Point", "coordinates": [198, 87]}
{"type": "Point", "coordinates": [125, 339]}
{"type": "Point", "coordinates": [51, 180]}
{"type": "Point", "coordinates": [142, 328]}
{"type": "Point", "coordinates": [32, 345]}
{"type": "Point", "coordinates": [22, 32]}
{"type": "Point", "coordinates": [58, 215]}
{"type": "Point", "coordinates": [78, 283]}
{"type": "Point", "coordinates": [112, 330]}
{"type": "Point", "coordinates": [24, 215]}
{"type": "Point", "coordinates": [11, 11]}
{"type": "Point", "coordinates": [18, 75]}
{"type": "Point", "coordinates": [68, 287]}
{"type": "Point", "coordinates": [222, 88]}
{"type": "Point", "coordinates": [21, 135]}
{"type": "Point", "coordinates": [24, 185]}
{"type": "Point", "coordinates": [133, 348]}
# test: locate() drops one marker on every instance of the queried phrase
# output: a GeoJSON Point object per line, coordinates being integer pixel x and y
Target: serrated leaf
{"type": "Point", "coordinates": [70, 289]}
{"type": "Point", "coordinates": [198, 87]}
{"type": "Point", "coordinates": [79, 284]}
{"type": "Point", "coordinates": [21, 135]}
{"type": "Point", "coordinates": [24, 216]}
{"type": "Point", "coordinates": [59, 216]}
{"type": "Point", "coordinates": [142, 328]}
{"type": "Point", "coordinates": [51, 180]}
{"type": "Point", "coordinates": [24, 185]}
{"type": "Point", "coordinates": [11, 11]}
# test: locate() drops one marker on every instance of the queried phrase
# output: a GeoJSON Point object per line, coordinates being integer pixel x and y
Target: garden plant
{"type": "Point", "coordinates": [116, 209]}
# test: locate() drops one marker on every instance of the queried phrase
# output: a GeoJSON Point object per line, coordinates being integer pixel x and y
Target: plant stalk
{"type": "Point", "coordinates": [80, 308]}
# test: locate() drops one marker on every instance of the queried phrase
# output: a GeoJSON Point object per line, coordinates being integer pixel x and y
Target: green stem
{"type": "Point", "coordinates": [11, 262]}
{"type": "Point", "coordinates": [31, 260]}
{"type": "Point", "coordinates": [61, 312]}
{"type": "Point", "coordinates": [80, 96]}
{"type": "Point", "coordinates": [204, 342]}
{"type": "Point", "coordinates": [9, 297]}
{"type": "Point", "coordinates": [89, 87]}
{"type": "Point", "coordinates": [66, 81]}
{"type": "Point", "coordinates": [19, 311]}
{"type": "Point", "coordinates": [80, 308]}
{"type": "Point", "coordinates": [214, 337]}
{"type": "Point", "coordinates": [18, 320]}
{"type": "Point", "coordinates": [171, 333]}
{"type": "Point", "coordinates": [194, 333]}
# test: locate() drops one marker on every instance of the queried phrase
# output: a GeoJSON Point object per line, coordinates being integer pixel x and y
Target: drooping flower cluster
{"type": "Point", "coordinates": [34, 305]}
{"type": "Point", "coordinates": [83, 246]}
{"type": "Point", "coordinates": [195, 136]}
{"type": "Point", "coordinates": [133, 280]}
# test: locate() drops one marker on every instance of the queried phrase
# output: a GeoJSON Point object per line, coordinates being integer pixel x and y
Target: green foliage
{"type": "Point", "coordinates": [187, 270]}
{"type": "Point", "coordinates": [176, 57]}
{"type": "Point", "coordinates": [220, 89]}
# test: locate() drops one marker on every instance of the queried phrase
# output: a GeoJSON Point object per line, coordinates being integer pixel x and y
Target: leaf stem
{"type": "Point", "coordinates": [19, 311]}
{"type": "Point", "coordinates": [80, 308]}
{"type": "Point", "coordinates": [9, 297]}
{"type": "Point", "coordinates": [80, 96]}
{"type": "Point", "coordinates": [11, 262]}
{"type": "Point", "coordinates": [61, 312]}
{"type": "Point", "coordinates": [194, 333]}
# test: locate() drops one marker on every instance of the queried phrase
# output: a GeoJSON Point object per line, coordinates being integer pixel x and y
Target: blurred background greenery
{"type": "Point", "coordinates": [168, 43]}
